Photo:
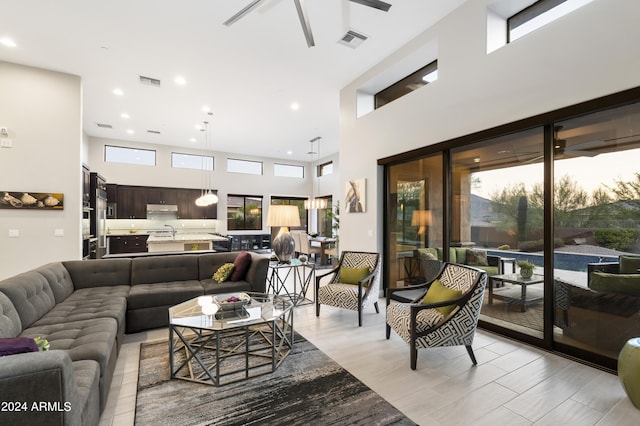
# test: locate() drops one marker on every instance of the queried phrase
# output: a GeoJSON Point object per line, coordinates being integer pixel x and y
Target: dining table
{"type": "Point", "coordinates": [324, 243]}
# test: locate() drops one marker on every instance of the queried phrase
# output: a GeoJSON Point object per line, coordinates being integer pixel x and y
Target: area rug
{"type": "Point", "coordinates": [307, 388]}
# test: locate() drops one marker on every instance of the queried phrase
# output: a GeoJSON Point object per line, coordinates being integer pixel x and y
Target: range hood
{"type": "Point", "coordinates": [166, 209]}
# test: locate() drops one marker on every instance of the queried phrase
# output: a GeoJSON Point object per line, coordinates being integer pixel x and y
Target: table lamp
{"type": "Point", "coordinates": [283, 216]}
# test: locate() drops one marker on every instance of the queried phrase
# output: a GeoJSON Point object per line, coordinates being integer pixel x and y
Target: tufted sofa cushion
{"type": "Point", "coordinates": [79, 309]}
{"type": "Point", "coordinates": [58, 278]}
{"type": "Point", "coordinates": [10, 325]}
{"type": "Point", "coordinates": [104, 272]}
{"type": "Point", "coordinates": [163, 294]}
{"type": "Point", "coordinates": [30, 294]}
{"type": "Point", "coordinates": [162, 269]}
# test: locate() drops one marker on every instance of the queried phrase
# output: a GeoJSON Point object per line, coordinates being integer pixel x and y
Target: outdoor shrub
{"type": "Point", "coordinates": [618, 239]}
{"type": "Point", "coordinates": [504, 247]}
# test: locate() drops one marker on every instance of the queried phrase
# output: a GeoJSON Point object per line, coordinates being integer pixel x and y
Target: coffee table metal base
{"type": "Point", "coordinates": [226, 356]}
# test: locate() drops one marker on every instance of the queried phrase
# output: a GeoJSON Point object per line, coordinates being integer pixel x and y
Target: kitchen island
{"type": "Point", "coordinates": [164, 242]}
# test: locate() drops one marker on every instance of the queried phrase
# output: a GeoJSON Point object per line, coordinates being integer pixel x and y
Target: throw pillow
{"type": "Point", "coordinates": [439, 293]}
{"type": "Point", "coordinates": [223, 272]}
{"type": "Point", "coordinates": [353, 275]}
{"type": "Point", "coordinates": [17, 345]}
{"type": "Point", "coordinates": [241, 263]}
{"type": "Point", "coordinates": [477, 257]}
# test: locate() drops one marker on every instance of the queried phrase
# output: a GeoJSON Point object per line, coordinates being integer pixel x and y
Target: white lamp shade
{"type": "Point", "coordinates": [283, 215]}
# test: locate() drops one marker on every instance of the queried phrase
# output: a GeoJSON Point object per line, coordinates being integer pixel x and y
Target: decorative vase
{"type": "Point", "coordinates": [526, 272]}
{"type": "Point", "coordinates": [303, 258]}
{"type": "Point", "coordinates": [629, 369]}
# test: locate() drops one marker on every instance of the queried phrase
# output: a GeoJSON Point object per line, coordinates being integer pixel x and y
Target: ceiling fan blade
{"type": "Point", "coordinates": [248, 8]}
{"type": "Point", "coordinates": [304, 21]}
{"type": "Point", "coordinates": [376, 4]}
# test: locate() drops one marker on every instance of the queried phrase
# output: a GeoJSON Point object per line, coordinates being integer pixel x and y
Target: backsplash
{"type": "Point", "coordinates": [142, 226]}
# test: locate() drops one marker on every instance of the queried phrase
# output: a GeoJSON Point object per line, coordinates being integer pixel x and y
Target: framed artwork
{"type": "Point", "coordinates": [31, 200]}
{"type": "Point", "coordinates": [355, 196]}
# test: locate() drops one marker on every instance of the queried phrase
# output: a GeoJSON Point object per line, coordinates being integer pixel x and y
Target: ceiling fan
{"type": "Point", "coordinates": [302, 14]}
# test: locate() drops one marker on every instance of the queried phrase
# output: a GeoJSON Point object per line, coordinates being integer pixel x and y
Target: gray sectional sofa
{"type": "Point", "coordinates": [84, 308]}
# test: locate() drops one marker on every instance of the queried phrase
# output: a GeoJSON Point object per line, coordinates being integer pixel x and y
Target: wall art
{"type": "Point", "coordinates": [31, 200]}
{"type": "Point", "coordinates": [355, 196]}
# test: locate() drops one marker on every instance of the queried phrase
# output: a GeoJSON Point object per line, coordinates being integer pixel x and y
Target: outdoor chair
{"type": "Point", "coordinates": [354, 283]}
{"type": "Point", "coordinates": [448, 318]}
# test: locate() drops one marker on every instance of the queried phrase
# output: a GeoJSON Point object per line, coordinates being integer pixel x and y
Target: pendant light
{"type": "Point", "coordinates": [207, 197]}
{"type": "Point", "coordinates": [314, 202]}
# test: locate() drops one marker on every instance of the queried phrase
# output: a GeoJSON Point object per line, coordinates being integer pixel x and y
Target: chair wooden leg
{"type": "Point", "coordinates": [388, 331]}
{"type": "Point", "coordinates": [360, 317]}
{"type": "Point", "coordinates": [414, 358]}
{"type": "Point", "coordinates": [317, 309]}
{"type": "Point", "coordinates": [470, 352]}
{"type": "Point", "coordinates": [375, 304]}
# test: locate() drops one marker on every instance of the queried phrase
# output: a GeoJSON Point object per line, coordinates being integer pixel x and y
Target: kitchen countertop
{"type": "Point", "coordinates": [182, 237]}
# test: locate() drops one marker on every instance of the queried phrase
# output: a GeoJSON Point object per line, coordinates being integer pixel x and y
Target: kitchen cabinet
{"type": "Point", "coordinates": [132, 202]}
{"type": "Point", "coordinates": [127, 244]}
{"type": "Point", "coordinates": [187, 208]}
{"type": "Point", "coordinates": [112, 193]}
{"type": "Point", "coordinates": [161, 195]}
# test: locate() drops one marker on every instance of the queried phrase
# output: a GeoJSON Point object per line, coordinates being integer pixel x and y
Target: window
{"type": "Point", "coordinates": [414, 81]}
{"type": "Point", "coordinates": [190, 161]}
{"type": "Point", "coordinates": [119, 154]}
{"type": "Point", "coordinates": [287, 170]}
{"type": "Point", "coordinates": [325, 169]}
{"type": "Point", "coordinates": [244, 166]}
{"type": "Point", "coordinates": [244, 212]}
{"type": "Point", "coordinates": [538, 15]}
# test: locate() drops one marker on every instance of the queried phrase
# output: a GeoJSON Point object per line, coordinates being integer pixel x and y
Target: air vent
{"type": "Point", "coordinates": [155, 132]}
{"type": "Point", "coordinates": [104, 126]}
{"type": "Point", "coordinates": [149, 81]}
{"type": "Point", "coordinates": [352, 39]}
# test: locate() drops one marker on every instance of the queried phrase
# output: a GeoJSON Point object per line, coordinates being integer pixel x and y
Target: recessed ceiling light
{"type": "Point", "coordinates": [7, 42]}
{"type": "Point", "coordinates": [295, 106]}
{"type": "Point", "coordinates": [180, 81]}
{"type": "Point", "coordinates": [125, 115]}
{"type": "Point", "coordinates": [198, 126]}
{"type": "Point", "coordinates": [289, 152]}
{"type": "Point", "coordinates": [194, 140]}
{"type": "Point", "coordinates": [130, 131]}
{"type": "Point", "coordinates": [206, 108]}
{"type": "Point", "coordinates": [118, 92]}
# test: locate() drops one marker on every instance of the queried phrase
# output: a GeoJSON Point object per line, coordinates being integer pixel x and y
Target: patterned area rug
{"type": "Point", "coordinates": [307, 388]}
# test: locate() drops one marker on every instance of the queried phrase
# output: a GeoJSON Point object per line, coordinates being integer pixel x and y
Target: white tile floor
{"type": "Point", "coordinates": [513, 384]}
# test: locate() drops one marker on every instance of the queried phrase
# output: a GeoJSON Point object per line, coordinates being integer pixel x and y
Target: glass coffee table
{"type": "Point", "coordinates": [215, 342]}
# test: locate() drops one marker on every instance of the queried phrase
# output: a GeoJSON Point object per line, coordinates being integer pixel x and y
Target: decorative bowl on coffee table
{"type": "Point", "coordinates": [232, 301]}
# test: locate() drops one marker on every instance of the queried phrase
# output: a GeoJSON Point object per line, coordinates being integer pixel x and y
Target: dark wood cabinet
{"type": "Point", "coordinates": [127, 244]}
{"type": "Point", "coordinates": [161, 195]}
{"type": "Point", "coordinates": [132, 202]}
{"type": "Point", "coordinates": [187, 208]}
{"type": "Point", "coordinates": [112, 193]}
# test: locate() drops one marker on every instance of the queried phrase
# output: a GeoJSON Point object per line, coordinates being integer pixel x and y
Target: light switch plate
{"type": "Point", "coordinates": [58, 232]}
{"type": "Point", "coordinates": [6, 143]}
{"type": "Point", "coordinates": [14, 233]}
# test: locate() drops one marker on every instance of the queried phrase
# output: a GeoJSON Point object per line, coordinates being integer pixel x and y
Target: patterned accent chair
{"type": "Point", "coordinates": [421, 325]}
{"type": "Point", "coordinates": [354, 295]}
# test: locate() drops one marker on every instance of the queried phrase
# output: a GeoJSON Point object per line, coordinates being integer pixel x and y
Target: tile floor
{"type": "Point", "coordinates": [513, 384]}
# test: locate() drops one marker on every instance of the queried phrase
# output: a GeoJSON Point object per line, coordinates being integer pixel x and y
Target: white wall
{"type": "Point", "coordinates": [226, 183]}
{"type": "Point", "coordinates": [584, 55]}
{"type": "Point", "coordinates": [42, 110]}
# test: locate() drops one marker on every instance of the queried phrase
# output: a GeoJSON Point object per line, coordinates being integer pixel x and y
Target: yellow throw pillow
{"type": "Point", "coordinates": [223, 272]}
{"type": "Point", "coordinates": [353, 275]}
{"type": "Point", "coordinates": [439, 293]}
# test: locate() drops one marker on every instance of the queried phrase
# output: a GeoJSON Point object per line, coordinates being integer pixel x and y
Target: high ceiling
{"type": "Point", "coordinates": [248, 74]}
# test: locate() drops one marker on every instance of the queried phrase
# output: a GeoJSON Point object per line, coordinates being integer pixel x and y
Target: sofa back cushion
{"type": "Point", "coordinates": [59, 280]}
{"type": "Point", "coordinates": [10, 325]}
{"type": "Point", "coordinates": [99, 273]}
{"type": "Point", "coordinates": [629, 264]}
{"type": "Point", "coordinates": [30, 294]}
{"type": "Point", "coordinates": [162, 269]}
{"type": "Point", "coordinates": [209, 263]}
